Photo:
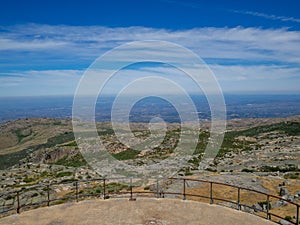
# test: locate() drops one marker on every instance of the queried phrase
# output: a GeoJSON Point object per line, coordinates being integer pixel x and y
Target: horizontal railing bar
{"type": "Point", "coordinates": [225, 200]}
{"type": "Point", "coordinates": [234, 186]}
{"type": "Point", "coordinates": [280, 217]}
{"type": "Point", "coordinates": [195, 195]}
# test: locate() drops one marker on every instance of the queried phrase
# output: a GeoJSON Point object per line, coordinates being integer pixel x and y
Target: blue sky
{"type": "Point", "coordinates": [251, 46]}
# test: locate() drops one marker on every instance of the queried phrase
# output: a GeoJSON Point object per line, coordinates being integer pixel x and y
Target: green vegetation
{"type": "Point", "coordinates": [292, 176]}
{"type": "Point", "coordinates": [127, 154]}
{"type": "Point", "coordinates": [64, 174]}
{"type": "Point", "coordinates": [9, 197]}
{"type": "Point", "coordinates": [71, 144]}
{"type": "Point", "coordinates": [57, 123]}
{"type": "Point", "coordinates": [202, 142]}
{"type": "Point", "coordinates": [45, 174]}
{"type": "Point", "coordinates": [21, 134]}
{"type": "Point", "coordinates": [109, 188]}
{"type": "Point", "coordinates": [11, 159]}
{"type": "Point", "coordinates": [53, 141]}
{"type": "Point", "coordinates": [147, 188]}
{"type": "Point", "coordinates": [166, 147]}
{"type": "Point", "coordinates": [231, 144]}
{"type": "Point", "coordinates": [290, 128]}
{"type": "Point", "coordinates": [106, 131]}
{"type": "Point", "coordinates": [288, 218]}
{"type": "Point", "coordinates": [46, 189]}
{"type": "Point", "coordinates": [28, 179]}
{"type": "Point", "coordinates": [289, 168]}
{"type": "Point", "coordinates": [75, 161]}
{"type": "Point", "coordinates": [247, 170]}
{"type": "Point", "coordinates": [116, 187]}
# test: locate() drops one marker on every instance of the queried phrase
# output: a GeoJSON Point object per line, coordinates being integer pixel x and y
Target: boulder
{"type": "Point", "coordinates": [284, 222]}
{"type": "Point", "coordinates": [257, 207]}
{"type": "Point", "coordinates": [283, 191]}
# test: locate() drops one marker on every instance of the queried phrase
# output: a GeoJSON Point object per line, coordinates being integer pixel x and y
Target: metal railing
{"type": "Point", "coordinates": [55, 193]}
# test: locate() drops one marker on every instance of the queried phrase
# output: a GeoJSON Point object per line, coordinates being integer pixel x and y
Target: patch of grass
{"type": "Point", "coordinates": [11, 159]}
{"type": "Point", "coordinates": [127, 154]}
{"type": "Point", "coordinates": [75, 161]}
{"type": "Point", "coordinates": [71, 144]}
{"type": "Point", "coordinates": [106, 131]}
{"type": "Point", "coordinates": [290, 128]}
{"type": "Point", "coordinates": [45, 174]}
{"type": "Point", "coordinates": [64, 174]}
{"type": "Point", "coordinates": [20, 134]}
{"type": "Point", "coordinates": [202, 142]}
{"type": "Point", "coordinates": [292, 176]}
{"type": "Point", "coordinates": [28, 179]}
{"type": "Point", "coordinates": [116, 187]}
{"type": "Point", "coordinates": [53, 141]}
{"type": "Point", "coordinates": [98, 190]}
{"type": "Point", "coordinates": [280, 169]}
{"type": "Point", "coordinates": [46, 189]}
{"type": "Point", "coordinates": [230, 144]}
{"type": "Point", "coordinates": [57, 123]}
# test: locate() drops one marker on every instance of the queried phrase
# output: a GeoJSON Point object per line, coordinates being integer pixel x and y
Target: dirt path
{"type": "Point", "coordinates": [140, 212]}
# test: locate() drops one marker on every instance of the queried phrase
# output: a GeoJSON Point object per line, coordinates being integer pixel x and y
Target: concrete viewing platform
{"type": "Point", "coordinates": [143, 211]}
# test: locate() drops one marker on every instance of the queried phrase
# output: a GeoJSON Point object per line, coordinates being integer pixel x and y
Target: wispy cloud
{"type": "Point", "coordinates": [45, 42]}
{"type": "Point", "coordinates": [269, 16]}
{"type": "Point", "coordinates": [36, 56]}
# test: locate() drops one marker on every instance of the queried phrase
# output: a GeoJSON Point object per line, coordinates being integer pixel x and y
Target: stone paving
{"type": "Point", "coordinates": [139, 212]}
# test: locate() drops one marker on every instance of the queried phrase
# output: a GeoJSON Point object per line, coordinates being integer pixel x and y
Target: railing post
{"type": "Point", "coordinates": [157, 188]}
{"type": "Point", "coordinates": [297, 216]}
{"type": "Point", "coordinates": [131, 194]}
{"type": "Point", "coordinates": [104, 194]}
{"type": "Point", "coordinates": [48, 195]}
{"type": "Point", "coordinates": [76, 186]}
{"type": "Point", "coordinates": [130, 188]}
{"type": "Point", "coordinates": [239, 198]}
{"type": "Point", "coordinates": [268, 204]}
{"type": "Point", "coordinates": [184, 194]}
{"type": "Point", "coordinates": [211, 193]}
{"type": "Point", "coordinates": [18, 200]}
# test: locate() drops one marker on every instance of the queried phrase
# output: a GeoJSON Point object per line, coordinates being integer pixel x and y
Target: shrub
{"type": "Point", "coordinates": [247, 170]}
{"type": "Point", "coordinates": [28, 179]}
{"type": "Point", "coordinates": [288, 218]}
{"type": "Point", "coordinates": [64, 174]}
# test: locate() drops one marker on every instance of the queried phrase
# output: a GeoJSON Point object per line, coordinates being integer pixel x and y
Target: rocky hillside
{"type": "Point", "coordinates": [260, 154]}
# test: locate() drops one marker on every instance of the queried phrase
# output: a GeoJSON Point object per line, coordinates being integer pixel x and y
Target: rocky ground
{"type": "Point", "coordinates": [260, 154]}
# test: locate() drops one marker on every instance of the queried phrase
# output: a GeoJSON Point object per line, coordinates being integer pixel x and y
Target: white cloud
{"type": "Point", "coordinates": [256, 72]}
{"type": "Point", "coordinates": [57, 55]}
{"type": "Point", "coordinates": [279, 45]}
{"type": "Point", "coordinates": [269, 16]}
